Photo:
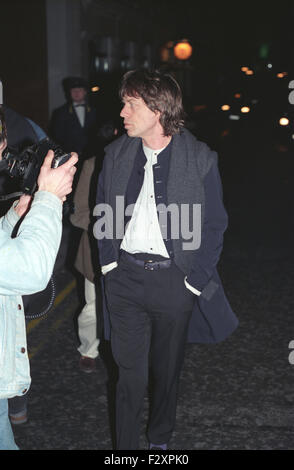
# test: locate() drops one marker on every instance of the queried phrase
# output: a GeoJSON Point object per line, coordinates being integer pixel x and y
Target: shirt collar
{"type": "Point", "coordinates": [152, 154]}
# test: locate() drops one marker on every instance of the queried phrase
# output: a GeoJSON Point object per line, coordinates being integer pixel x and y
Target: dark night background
{"type": "Point", "coordinates": [224, 35]}
{"type": "Point", "coordinates": [238, 394]}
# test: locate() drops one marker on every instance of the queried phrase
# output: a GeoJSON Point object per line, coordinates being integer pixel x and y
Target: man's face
{"type": "Point", "coordinates": [78, 94]}
{"type": "Point", "coordinates": [139, 120]}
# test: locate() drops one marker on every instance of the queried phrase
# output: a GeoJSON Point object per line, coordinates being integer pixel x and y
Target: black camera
{"type": "Point", "coordinates": [26, 165]}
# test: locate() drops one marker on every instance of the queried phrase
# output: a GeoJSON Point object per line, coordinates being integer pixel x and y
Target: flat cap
{"type": "Point", "coordinates": [75, 82]}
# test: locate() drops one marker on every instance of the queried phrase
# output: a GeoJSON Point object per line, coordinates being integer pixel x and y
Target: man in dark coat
{"type": "Point", "coordinates": [160, 230]}
{"type": "Point", "coordinates": [74, 124]}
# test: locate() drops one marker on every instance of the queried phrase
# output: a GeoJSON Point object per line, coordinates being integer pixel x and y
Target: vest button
{"type": "Point", "coordinates": [19, 307]}
{"type": "Point", "coordinates": [23, 350]}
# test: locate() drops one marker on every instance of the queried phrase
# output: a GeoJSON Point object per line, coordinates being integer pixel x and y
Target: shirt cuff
{"type": "Point", "coordinates": [108, 267]}
{"type": "Point", "coordinates": [192, 289]}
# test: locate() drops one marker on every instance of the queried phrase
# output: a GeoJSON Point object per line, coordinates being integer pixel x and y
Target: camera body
{"type": "Point", "coordinates": [26, 165]}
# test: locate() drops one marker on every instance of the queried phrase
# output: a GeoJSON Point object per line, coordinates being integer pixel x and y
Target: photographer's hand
{"type": "Point", "coordinates": [57, 180]}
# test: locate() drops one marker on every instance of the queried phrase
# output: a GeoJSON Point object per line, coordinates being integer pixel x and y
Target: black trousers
{"type": "Point", "coordinates": [149, 314]}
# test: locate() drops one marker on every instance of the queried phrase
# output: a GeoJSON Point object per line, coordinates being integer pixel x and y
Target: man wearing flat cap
{"type": "Point", "coordinates": [74, 124]}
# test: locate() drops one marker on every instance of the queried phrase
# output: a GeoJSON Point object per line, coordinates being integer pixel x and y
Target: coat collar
{"type": "Point", "coordinates": [126, 152]}
{"type": "Point", "coordinates": [123, 164]}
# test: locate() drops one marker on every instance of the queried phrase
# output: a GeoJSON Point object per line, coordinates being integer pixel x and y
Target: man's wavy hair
{"type": "Point", "coordinates": [160, 92]}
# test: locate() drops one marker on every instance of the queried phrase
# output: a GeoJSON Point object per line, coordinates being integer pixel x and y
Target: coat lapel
{"type": "Point", "coordinates": [87, 115]}
{"type": "Point", "coordinates": [177, 169]}
{"type": "Point", "coordinates": [122, 167]}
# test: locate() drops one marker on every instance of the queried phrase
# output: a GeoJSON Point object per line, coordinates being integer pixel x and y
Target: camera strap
{"type": "Point", "coordinates": [10, 196]}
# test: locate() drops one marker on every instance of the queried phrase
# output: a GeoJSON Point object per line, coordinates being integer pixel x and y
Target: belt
{"type": "Point", "coordinates": [150, 265]}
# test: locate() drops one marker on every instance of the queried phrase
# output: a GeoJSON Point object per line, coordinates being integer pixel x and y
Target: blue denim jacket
{"type": "Point", "coordinates": [26, 264]}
